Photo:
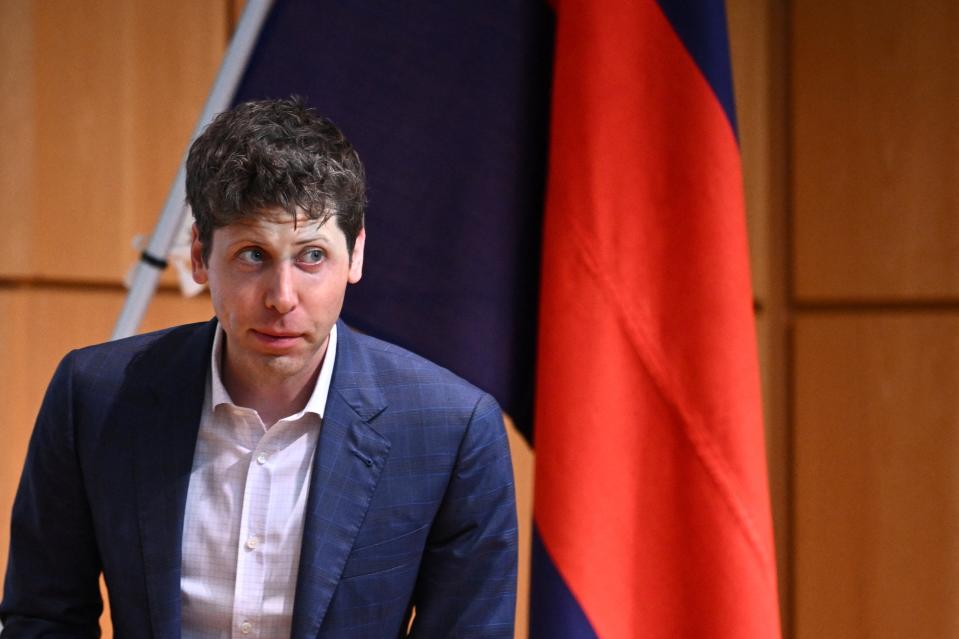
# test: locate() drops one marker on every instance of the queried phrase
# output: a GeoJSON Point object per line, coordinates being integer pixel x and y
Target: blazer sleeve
{"type": "Point", "coordinates": [52, 579]}
{"type": "Point", "coordinates": [467, 581]}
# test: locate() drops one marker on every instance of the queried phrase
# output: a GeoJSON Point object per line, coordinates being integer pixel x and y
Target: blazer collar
{"type": "Point", "coordinates": [167, 383]}
{"type": "Point", "coordinates": [349, 457]}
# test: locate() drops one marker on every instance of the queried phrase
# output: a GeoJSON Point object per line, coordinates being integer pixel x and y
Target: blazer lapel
{"type": "Point", "coordinates": [174, 370]}
{"type": "Point", "coordinates": [349, 457]}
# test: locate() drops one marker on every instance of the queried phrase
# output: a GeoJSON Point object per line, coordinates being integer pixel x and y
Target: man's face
{"type": "Point", "coordinates": [277, 291]}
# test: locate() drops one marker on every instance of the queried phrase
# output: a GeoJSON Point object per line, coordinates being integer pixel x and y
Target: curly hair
{"type": "Point", "coordinates": [274, 153]}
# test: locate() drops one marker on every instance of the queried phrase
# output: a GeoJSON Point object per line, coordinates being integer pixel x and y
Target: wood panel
{"type": "Point", "coordinates": [875, 92]}
{"type": "Point", "coordinates": [16, 161]}
{"type": "Point", "coordinates": [109, 91]}
{"type": "Point", "coordinates": [771, 336]}
{"type": "Point", "coordinates": [523, 468]}
{"type": "Point", "coordinates": [876, 472]}
{"type": "Point", "coordinates": [755, 41]}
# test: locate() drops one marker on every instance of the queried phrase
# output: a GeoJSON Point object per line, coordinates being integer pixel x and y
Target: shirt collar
{"type": "Point", "coordinates": [317, 402]}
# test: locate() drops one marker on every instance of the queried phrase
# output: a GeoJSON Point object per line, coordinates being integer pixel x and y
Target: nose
{"type": "Point", "coordinates": [281, 290]}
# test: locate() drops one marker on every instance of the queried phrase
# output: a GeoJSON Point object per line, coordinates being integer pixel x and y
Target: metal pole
{"type": "Point", "coordinates": [176, 213]}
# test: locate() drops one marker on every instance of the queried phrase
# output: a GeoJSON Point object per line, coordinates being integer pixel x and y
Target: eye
{"type": "Point", "coordinates": [252, 255]}
{"type": "Point", "coordinates": [312, 256]}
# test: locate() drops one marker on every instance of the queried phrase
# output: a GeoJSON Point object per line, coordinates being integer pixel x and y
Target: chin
{"type": "Point", "coordinates": [285, 365]}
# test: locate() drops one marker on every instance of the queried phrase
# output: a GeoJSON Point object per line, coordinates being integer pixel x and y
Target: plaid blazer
{"type": "Point", "coordinates": [410, 504]}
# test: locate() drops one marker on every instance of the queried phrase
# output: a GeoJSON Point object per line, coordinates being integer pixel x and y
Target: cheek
{"type": "Point", "coordinates": [324, 302]}
{"type": "Point", "coordinates": [231, 298]}
{"type": "Point", "coordinates": [219, 308]}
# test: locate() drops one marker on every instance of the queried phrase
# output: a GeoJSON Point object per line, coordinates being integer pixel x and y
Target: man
{"type": "Point", "coordinates": [269, 473]}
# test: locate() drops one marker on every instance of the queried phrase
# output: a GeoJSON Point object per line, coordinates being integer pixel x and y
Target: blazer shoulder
{"type": "Point", "coordinates": [101, 363]}
{"type": "Point", "coordinates": [418, 394]}
{"type": "Point", "coordinates": [414, 390]}
{"type": "Point", "coordinates": [391, 366]}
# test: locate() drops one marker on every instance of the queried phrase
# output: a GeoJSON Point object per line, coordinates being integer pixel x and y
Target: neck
{"type": "Point", "coordinates": [268, 387]}
{"type": "Point", "coordinates": [273, 399]}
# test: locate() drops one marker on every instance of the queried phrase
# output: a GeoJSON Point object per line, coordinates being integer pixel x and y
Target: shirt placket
{"type": "Point", "coordinates": [252, 550]}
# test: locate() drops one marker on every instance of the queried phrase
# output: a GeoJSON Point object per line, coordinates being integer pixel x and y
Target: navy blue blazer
{"type": "Point", "coordinates": [410, 503]}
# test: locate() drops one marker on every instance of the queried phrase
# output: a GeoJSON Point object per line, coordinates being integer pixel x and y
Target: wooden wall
{"type": "Point", "coordinates": [849, 139]}
{"type": "Point", "coordinates": [875, 286]}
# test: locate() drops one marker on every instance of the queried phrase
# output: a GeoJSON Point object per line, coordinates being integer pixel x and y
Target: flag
{"type": "Point", "coordinates": [651, 506]}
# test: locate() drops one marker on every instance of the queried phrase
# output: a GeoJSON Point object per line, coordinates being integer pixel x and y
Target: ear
{"type": "Point", "coordinates": [356, 265]}
{"type": "Point", "coordinates": [196, 259]}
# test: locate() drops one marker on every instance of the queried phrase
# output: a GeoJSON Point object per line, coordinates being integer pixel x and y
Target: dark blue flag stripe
{"type": "Point", "coordinates": [554, 612]}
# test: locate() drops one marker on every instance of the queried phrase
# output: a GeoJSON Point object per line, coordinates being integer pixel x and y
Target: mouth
{"type": "Point", "coordinates": [275, 339]}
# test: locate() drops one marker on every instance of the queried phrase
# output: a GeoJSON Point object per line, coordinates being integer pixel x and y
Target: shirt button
{"type": "Point", "coordinates": [252, 542]}
{"type": "Point", "coordinates": [261, 458]}
{"type": "Point", "coordinates": [246, 627]}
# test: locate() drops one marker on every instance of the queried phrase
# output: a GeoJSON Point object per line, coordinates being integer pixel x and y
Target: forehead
{"type": "Point", "coordinates": [277, 221]}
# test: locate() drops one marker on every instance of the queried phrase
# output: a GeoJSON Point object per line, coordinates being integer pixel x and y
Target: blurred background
{"type": "Point", "coordinates": [849, 130]}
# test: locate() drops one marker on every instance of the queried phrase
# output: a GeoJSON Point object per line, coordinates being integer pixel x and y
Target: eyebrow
{"type": "Point", "coordinates": [319, 237]}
